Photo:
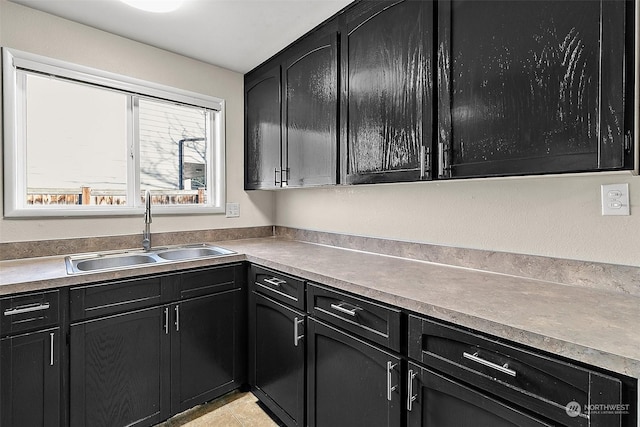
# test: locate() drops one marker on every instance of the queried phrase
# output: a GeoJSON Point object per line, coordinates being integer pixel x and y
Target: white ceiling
{"type": "Point", "coordinates": [234, 34]}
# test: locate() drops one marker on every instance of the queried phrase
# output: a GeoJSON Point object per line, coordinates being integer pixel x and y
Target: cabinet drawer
{"type": "Point", "coordinates": [210, 280]}
{"type": "Point", "coordinates": [539, 383]}
{"type": "Point", "coordinates": [114, 297]}
{"type": "Point", "coordinates": [29, 311]}
{"type": "Point", "coordinates": [279, 286]}
{"type": "Point", "coordinates": [375, 322]}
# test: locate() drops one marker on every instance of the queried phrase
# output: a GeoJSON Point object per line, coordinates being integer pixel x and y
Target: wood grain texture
{"type": "Point", "coordinates": [204, 345]}
{"type": "Point", "coordinates": [531, 86]}
{"type": "Point", "coordinates": [310, 112]}
{"type": "Point", "coordinates": [116, 370]}
{"type": "Point", "coordinates": [262, 129]}
{"type": "Point", "coordinates": [29, 383]}
{"type": "Point", "coordinates": [443, 402]}
{"type": "Point", "coordinates": [386, 61]}
{"type": "Point", "coordinates": [347, 381]}
{"type": "Point", "coordinates": [279, 365]}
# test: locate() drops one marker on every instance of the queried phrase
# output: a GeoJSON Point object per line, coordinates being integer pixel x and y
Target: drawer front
{"type": "Point", "coordinates": [29, 311]}
{"type": "Point", "coordinates": [279, 286]}
{"type": "Point", "coordinates": [115, 297]}
{"type": "Point", "coordinates": [210, 280]}
{"type": "Point", "coordinates": [542, 384]}
{"type": "Point", "coordinates": [373, 321]}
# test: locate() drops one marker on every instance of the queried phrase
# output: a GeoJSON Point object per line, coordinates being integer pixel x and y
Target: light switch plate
{"type": "Point", "coordinates": [233, 210]}
{"type": "Point", "coordinates": [615, 199]}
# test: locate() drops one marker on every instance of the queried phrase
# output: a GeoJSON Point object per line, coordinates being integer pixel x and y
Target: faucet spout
{"type": "Point", "coordinates": [146, 234]}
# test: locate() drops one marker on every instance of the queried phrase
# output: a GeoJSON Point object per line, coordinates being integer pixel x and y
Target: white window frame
{"type": "Point", "coordinates": [15, 176]}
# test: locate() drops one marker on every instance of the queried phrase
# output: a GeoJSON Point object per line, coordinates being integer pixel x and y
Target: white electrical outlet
{"type": "Point", "coordinates": [233, 210]}
{"type": "Point", "coordinates": [615, 199]}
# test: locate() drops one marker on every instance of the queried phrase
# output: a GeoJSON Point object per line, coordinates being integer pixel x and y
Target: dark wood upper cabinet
{"type": "Point", "coordinates": [310, 112]}
{"type": "Point", "coordinates": [530, 87]}
{"type": "Point", "coordinates": [386, 109]}
{"type": "Point", "coordinates": [291, 115]}
{"type": "Point", "coordinates": [262, 128]}
{"type": "Point", "coordinates": [448, 89]}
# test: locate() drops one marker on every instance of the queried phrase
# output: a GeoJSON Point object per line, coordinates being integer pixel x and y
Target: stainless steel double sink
{"type": "Point", "coordinates": [117, 260]}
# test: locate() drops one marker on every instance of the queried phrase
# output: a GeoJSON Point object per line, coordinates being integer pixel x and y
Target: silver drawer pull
{"type": "Point", "coordinates": [51, 347]}
{"type": "Point", "coordinates": [350, 311]}
{"type": "Point", "coordinates": [275, 281]}
{"type": "Point", "coordinates": [26, 309]}
{"type": "Point", "coordinates": [410, 396]}
{"type": "Point", "coordinates": [502, 368]}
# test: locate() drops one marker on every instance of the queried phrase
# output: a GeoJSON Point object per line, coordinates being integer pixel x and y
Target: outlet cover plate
{"type": "Point", "coordinates": [233, 210]}
{"type": "Point", "coordinates": [615, 199]}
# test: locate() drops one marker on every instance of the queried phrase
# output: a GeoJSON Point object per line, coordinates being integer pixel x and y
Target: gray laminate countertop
{"type": "Point", "coordinates": [588, 325]}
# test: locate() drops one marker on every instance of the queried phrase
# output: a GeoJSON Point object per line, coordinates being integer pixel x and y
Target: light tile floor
{"type": "Point", "coordinates": [232, 410]}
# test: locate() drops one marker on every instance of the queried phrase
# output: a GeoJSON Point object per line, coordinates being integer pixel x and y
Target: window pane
{"type": "Point", "coordinates": [173, 152]}
{"type": "Point", "coordinates": [75, 143]}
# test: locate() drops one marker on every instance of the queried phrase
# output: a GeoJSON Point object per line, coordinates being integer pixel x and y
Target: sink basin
{"type": "Point", "coordinates": [111, 262]}
{"type": "Point", "coordinates": [127, 259]}
{"type": "Point", "coordinates": [178, 254]}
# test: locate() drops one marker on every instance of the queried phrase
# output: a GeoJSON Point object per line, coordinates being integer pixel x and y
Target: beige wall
{"type": "Point", "coordinates": [556, 216]}
{"type": "Point", "coordinates": [40, 33]}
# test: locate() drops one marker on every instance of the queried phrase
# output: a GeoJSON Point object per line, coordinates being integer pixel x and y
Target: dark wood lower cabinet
{"type": "Point", "coordinates": [350, 382]}
{"type": "Point", "coordinates": [119, 368]}
{"type": "Point", "coordinates": [435, 400]}
{"type": "Point", "coordinates": [206, 347]}
{"type": "Point", "coordinates": [30, 378]}
{"type": "Point", "coordinates": [139, 368]}
{"type": "Point", "coordinates": [279, 359]}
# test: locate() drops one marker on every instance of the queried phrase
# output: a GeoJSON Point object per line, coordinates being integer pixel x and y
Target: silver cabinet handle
{"type": "Point", "coordinates": [296, 333]}
{"type": "Point", "coordinates": [410, 396]}
{"type": "Point", "coordinates": [52, 353]}
{"type": "Point", "coordinates": [502, 368]}
{"type": "Point", "coordinates": [275, 176]}
{"type": "Point", "coordinates": [340, 307]}
{"type": "Point", "coordinates": [390, 388]}
{"type": "Point", "coordinates": [26, 309]}
{"type": "Point", "coordinates": [177, 318]}
{"type": "Point", "coordinates": [166, 320]}
{"type": "Point", "coordinates": [275, 281]}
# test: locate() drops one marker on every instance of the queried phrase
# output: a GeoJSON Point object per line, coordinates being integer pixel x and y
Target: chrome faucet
{"type": "Point", "coordinates": [146, 234]}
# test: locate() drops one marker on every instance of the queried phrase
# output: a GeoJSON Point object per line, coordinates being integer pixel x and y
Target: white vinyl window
{"type": "Point", "coordinates": [80, 141]}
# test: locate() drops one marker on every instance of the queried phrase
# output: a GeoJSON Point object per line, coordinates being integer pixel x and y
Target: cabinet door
{"type": "Point", "coordinates": [206, 345]}
{"type": "Point", "coordinates": [262, 129]}
{"type": "Point", "coordinates": [434, 400]}
{"type": "Point", "coordinates": [119, 370]}
{"type": "Point", "coordinates": [30, 379]}
{"type": "Point", "coordinates": [350, 382]}
{"type": "Point", "coordinates": [531, 87]}
{"type": "Point", "coordinates": [279, 358]}
{"type": "Point", "coordinates": [387, 91]}
{"type": "Point", "coordinates": [310, 112]}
